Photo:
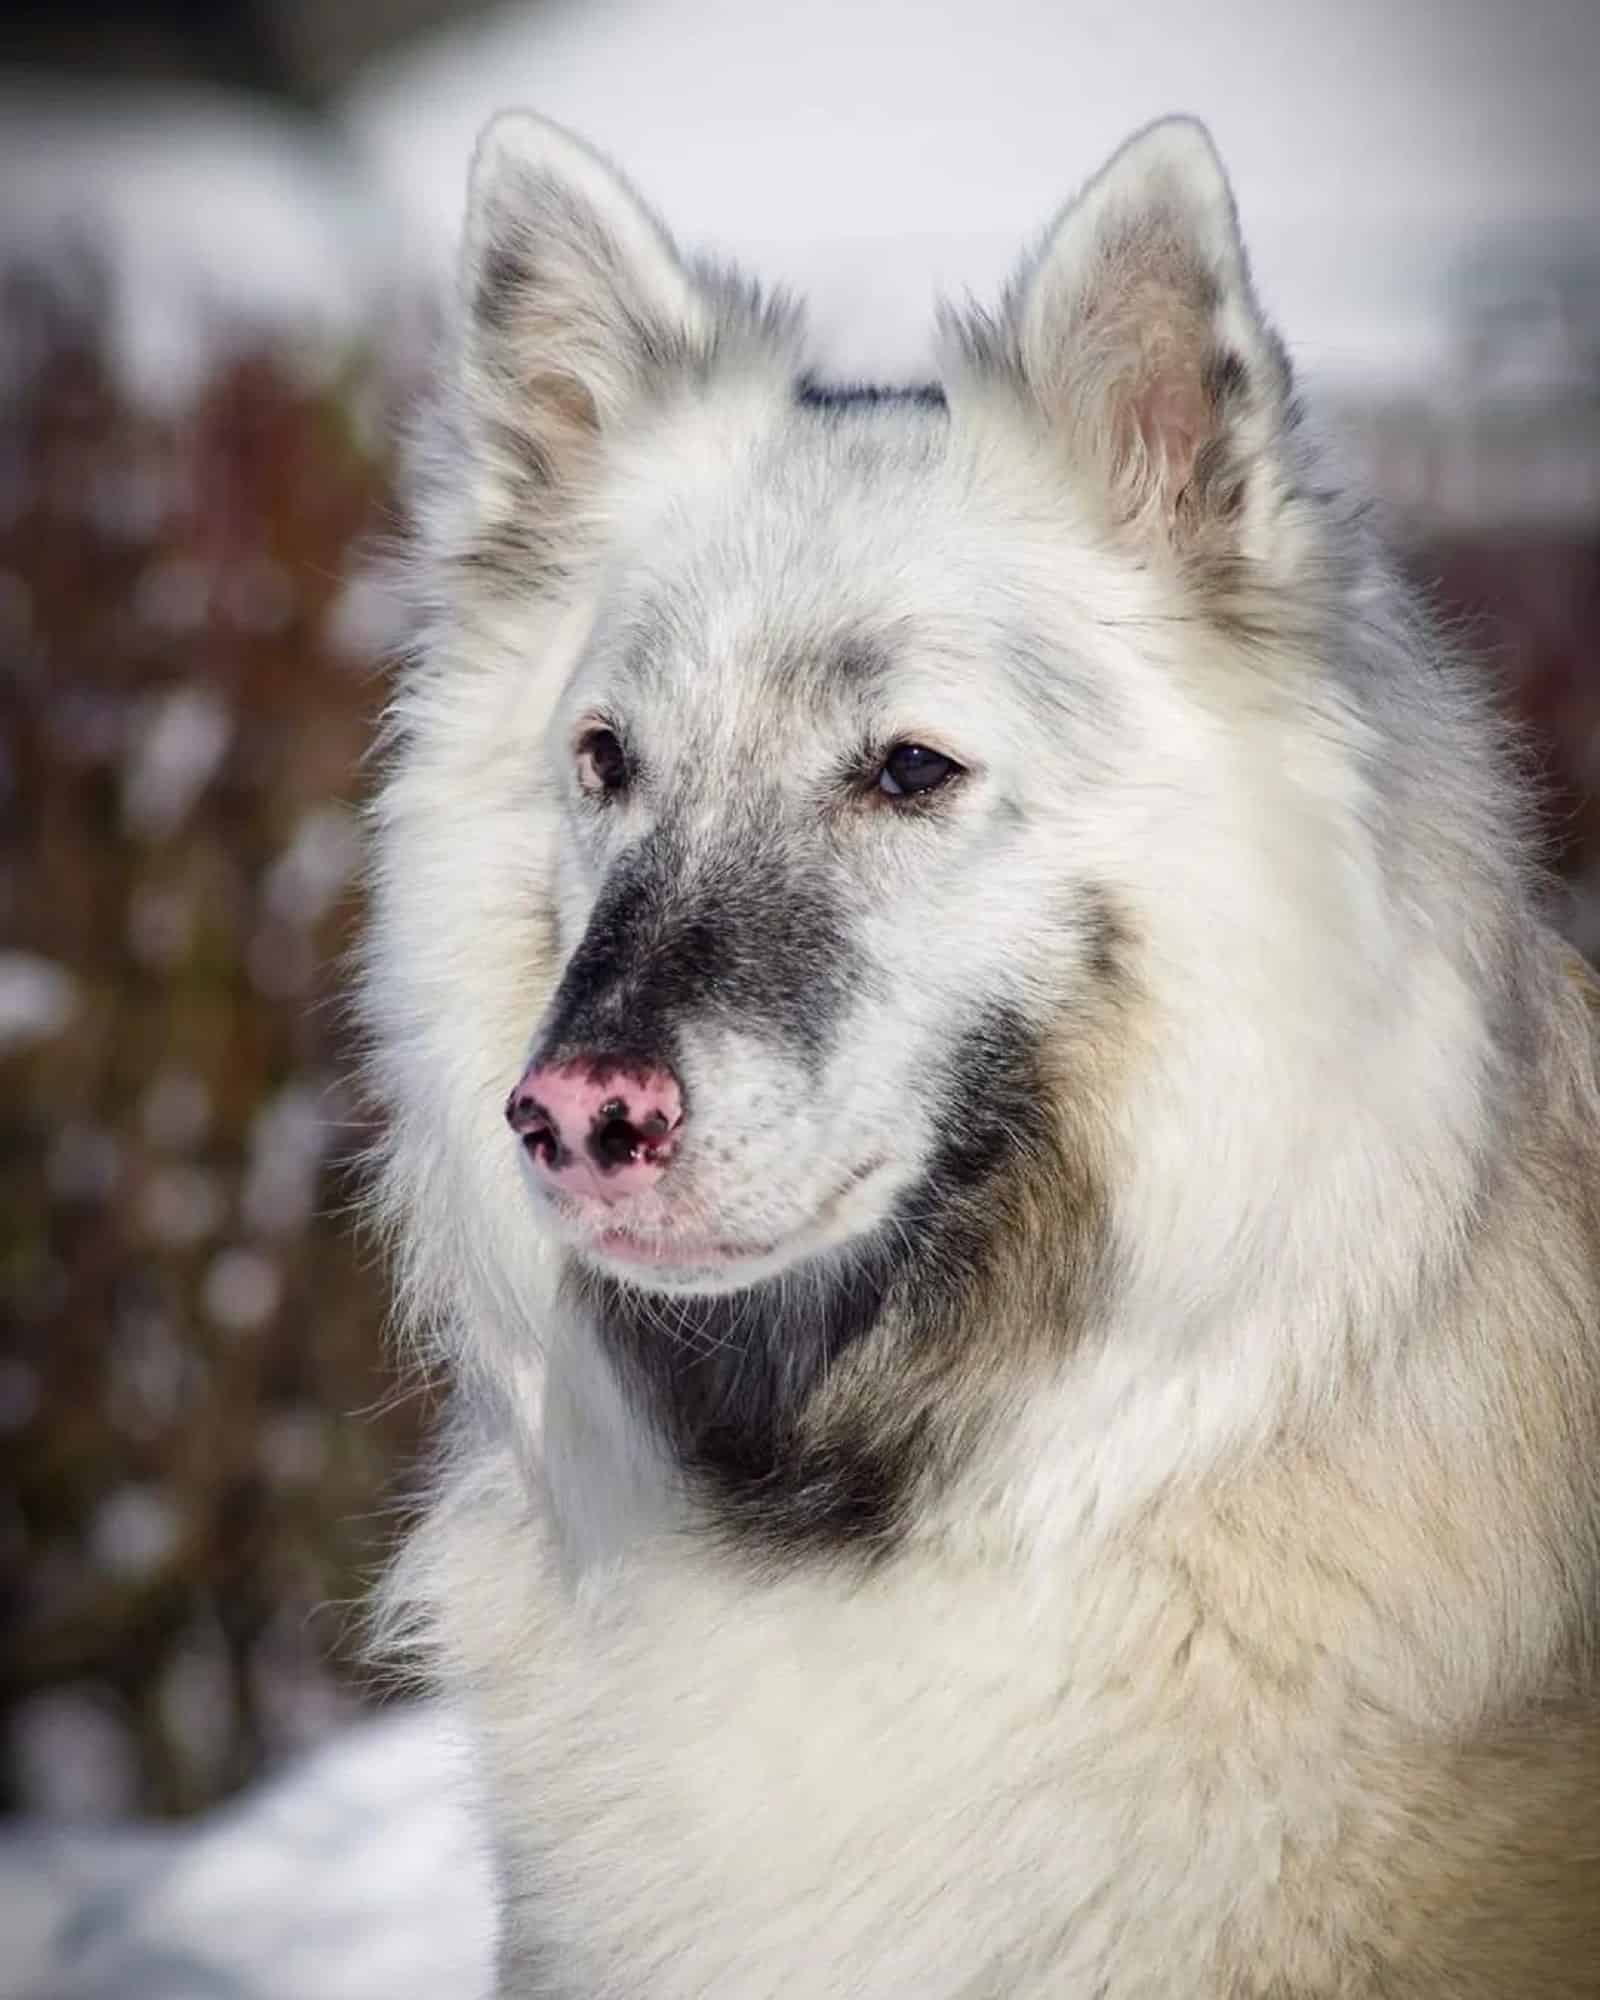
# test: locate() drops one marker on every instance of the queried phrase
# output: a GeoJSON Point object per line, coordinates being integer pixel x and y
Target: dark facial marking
{"type": "Point", "coordinates": [859, 661]}
{"type": "Point", "coordinates": [741, 935]}
{"type": "Point", "coordinates": [730, 1380]}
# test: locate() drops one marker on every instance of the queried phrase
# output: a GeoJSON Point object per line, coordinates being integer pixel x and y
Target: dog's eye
{"type": "Point", "coordinates": [909, 767]}
{"type": "Point", "coordinates": [602, 762]}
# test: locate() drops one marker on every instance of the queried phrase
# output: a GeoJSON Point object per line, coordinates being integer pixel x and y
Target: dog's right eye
{"type": "Point", "coordinates": [911, 768]}
{"type": "Point", "coordinates": [602, 763]}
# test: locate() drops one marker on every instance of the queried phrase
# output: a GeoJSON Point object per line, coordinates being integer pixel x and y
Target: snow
{"type": "Point", "coordinates": [180, 742]}
{"type": "Point", "coordinates": [180, 1206]}
{"type": "Point", "coordinates": [242, 1290]}
{"type": "Point", "coordinates": [37, 999]}
{"type": "Point", "coordinates": [357, 1875]}
{"type": "Point", "coordinates": [210, 211]}
{"type": "Point", "coordinates": [133, 1531]}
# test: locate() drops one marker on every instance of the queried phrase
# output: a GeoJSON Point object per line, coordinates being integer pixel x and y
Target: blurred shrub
{"type": "Point", "coordinates": [197, 1419]}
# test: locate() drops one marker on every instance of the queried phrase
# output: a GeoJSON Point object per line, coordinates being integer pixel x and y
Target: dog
{"type": "Point", "coordinates": [983, 1109]}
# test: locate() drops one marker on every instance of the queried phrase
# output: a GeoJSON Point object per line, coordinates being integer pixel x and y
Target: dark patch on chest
{"type": "Point", "coordinates": [793, 1451]}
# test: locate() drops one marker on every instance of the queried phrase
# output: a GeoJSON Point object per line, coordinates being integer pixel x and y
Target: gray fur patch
{"type": "Point", "coordinates": [739, 934]}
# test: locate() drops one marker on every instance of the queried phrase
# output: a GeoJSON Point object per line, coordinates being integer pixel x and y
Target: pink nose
{"type": "Point", "coordinates": [593, 1128]}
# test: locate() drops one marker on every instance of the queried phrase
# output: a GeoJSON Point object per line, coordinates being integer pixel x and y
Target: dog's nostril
{"type": "Point", "coordinates": [534, 1126]}
{"type": "Point", "coordinates": [615, 1141]}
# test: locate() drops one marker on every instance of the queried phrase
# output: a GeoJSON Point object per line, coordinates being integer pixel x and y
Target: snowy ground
{"type": "Point", "coordinates": [354, 1876]}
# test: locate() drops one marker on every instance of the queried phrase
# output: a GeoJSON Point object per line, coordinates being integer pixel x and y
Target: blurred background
{"type": "Point", "coordinates": [225, 229]}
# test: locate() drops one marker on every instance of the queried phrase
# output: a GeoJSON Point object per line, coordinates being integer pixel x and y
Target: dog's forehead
{"type": "Point", "coordinates": [813, 562]}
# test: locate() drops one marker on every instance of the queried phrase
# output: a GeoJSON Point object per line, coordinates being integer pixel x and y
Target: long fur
{"type": "Point", "coordinates": [1136, 1536]}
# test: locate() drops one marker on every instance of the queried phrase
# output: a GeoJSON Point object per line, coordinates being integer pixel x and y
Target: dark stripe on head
{"type": "Point", "coordinates": [794, 1451]}
{"type": "Point", "coordinates": [810, 394]}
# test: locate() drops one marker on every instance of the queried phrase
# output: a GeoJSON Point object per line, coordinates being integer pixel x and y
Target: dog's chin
{"type": "Point", "coordinates": [658, 1258]}
{"type": "Point", "coordinates": [660, 1264]}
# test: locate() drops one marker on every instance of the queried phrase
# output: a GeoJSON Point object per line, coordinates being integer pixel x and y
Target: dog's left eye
{"type": "Point", "coordinates": [602, 762]}
{"type": "Point", "coordinates": [911, 767]}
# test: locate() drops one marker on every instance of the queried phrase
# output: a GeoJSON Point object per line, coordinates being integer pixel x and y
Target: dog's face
{"type": "Point", "coordinates": [846, 749]}
{"type": "Point", "coordinates": [818, 780]}
{"type": "Point", "coordinates": [942, 887]}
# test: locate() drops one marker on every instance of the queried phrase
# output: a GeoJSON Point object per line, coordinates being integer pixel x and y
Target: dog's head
{"type": "Point", "coordinates": [835, 735]}
{"type": "Point", "coordinates": [937, 883]}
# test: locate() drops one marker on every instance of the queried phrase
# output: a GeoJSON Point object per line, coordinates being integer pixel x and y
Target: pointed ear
{"type": "Point", "coordinates": [1136, 333]}
{"type": "Point", "coordinates": [573, 290]}
{"type": "Point", "coordinates": [576, 311]}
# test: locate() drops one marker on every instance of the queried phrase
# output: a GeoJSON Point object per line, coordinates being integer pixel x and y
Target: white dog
{"type": "Point", "coordinates": [1029, 1362]}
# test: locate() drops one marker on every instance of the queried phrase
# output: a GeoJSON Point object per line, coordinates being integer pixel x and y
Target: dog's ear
{"type": "Point", "coordinates": [1135, 331]}
{"type": "Point", "coordinates": [577, 310]}
{"type": "Point", "coordinates": [574, 293]}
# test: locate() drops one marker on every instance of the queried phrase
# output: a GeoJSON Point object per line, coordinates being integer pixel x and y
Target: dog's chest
{"type": "Point", "coordinates": [824, 1788]}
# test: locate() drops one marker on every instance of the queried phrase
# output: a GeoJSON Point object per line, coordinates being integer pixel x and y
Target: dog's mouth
{"type": "Point", "coordinates": [653, 1251]}
{"type": "Point", "coordinates": [671, 1252]}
